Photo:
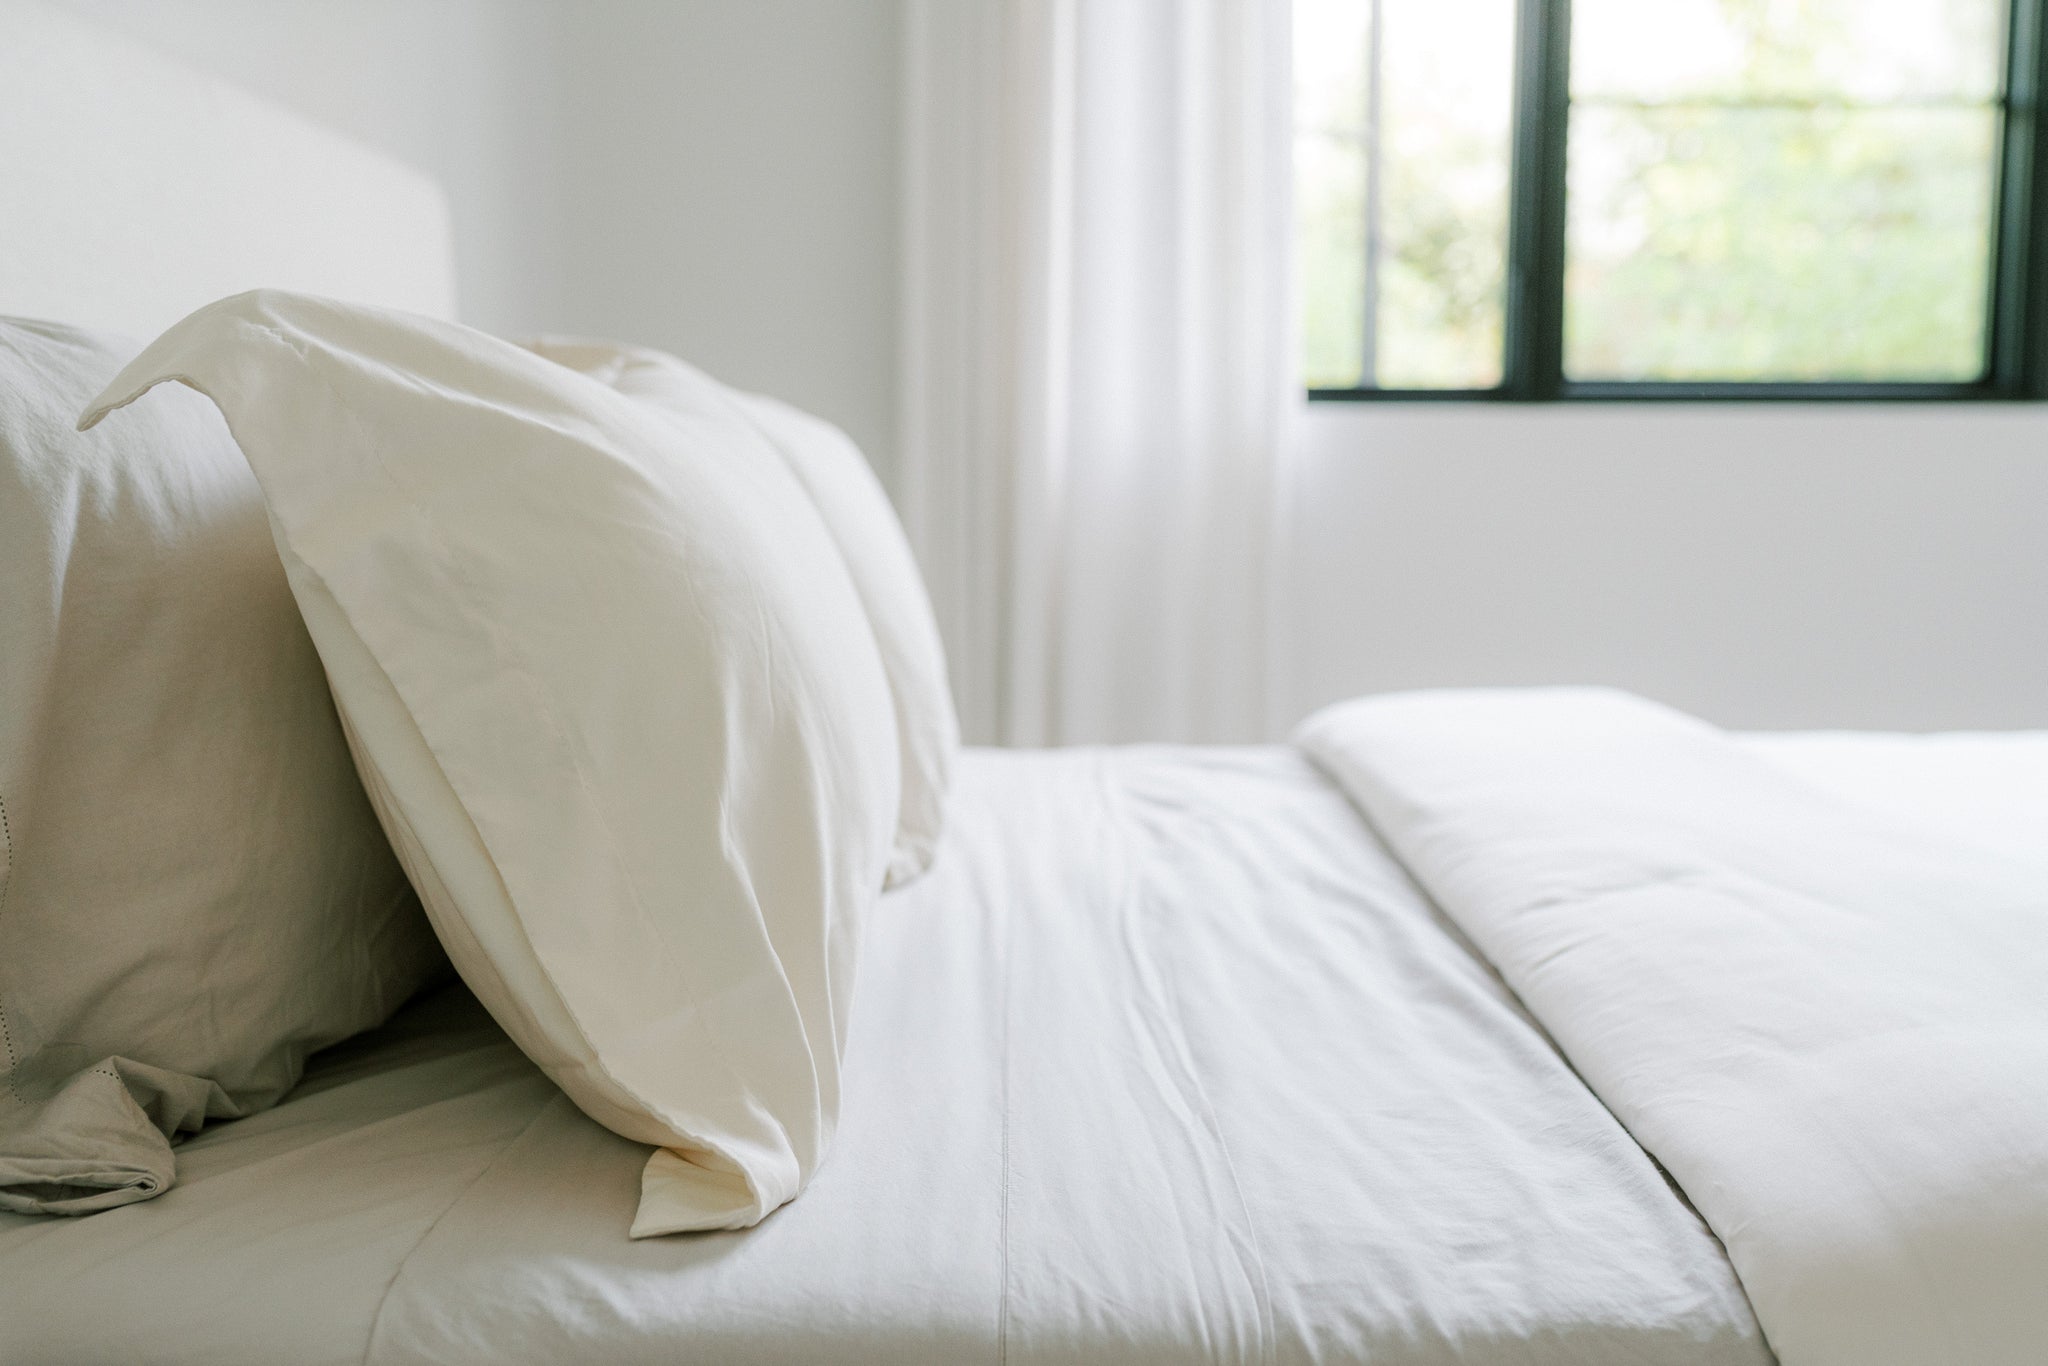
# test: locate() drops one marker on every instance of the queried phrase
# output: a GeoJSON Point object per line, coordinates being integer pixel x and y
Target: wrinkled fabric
{"type": "Point", "coordinates": [88, 1139]}
{"type": "Point", "coordinates": [1826, 1015]}
{"type": "Point", "coordinates": [1164, 1061]}
{"type": "Point", "coordinates": [614, 700]}
{"type": "Point", "coordinates": [856, 510]}
{"type": "Point", "coordinates": [194, 893]}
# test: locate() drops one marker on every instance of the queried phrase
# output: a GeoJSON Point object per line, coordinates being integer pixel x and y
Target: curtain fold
{"type": "Point", "coordinates": [1099, 359]}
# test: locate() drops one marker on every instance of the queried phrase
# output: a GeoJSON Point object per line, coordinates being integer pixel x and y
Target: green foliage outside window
{"type": "Point", "coordinates": [1758, 190]}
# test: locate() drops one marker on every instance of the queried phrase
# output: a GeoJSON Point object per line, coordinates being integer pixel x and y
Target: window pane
{"type": "Point", "coordinates": [1401, 165]}
{"type": "Point", "coordinates": [1781, 190]}
{"type": "Point", "coordinates": [1778, 244]}
{"type": "Point", "coordinates": [1748, 49]}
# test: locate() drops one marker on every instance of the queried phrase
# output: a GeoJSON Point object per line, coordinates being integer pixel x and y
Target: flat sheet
{"type": "Point", "coordinates": [1825, 1010]}
{"type": "Point", "coordinates": [1165, 1061]}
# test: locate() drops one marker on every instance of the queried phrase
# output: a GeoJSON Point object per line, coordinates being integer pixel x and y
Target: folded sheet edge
{"type": "Point", "coordinates": [1825, 1022]}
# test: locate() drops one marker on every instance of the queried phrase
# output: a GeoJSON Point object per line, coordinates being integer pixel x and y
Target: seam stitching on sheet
{"type": "Point", "coordinates": [1116, 799]}
{"type": "Point", "coordinates": [7, 885]}
{"type": "Point", "coordinates": [377, 1318]}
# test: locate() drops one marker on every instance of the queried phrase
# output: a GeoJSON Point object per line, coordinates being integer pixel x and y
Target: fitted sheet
{"type": "Point", "coordinates": [1165, 1060]}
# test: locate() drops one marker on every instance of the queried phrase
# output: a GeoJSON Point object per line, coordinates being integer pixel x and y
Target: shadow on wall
{"type": "Point", "coordinates": [716, 178]}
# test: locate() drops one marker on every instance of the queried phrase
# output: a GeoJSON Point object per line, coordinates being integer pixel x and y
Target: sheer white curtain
{"type": "Point", "coordinates": [1099, 360]}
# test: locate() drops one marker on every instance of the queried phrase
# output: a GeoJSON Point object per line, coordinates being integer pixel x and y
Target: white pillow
{"type": "Point", "coordinates": [614, 698]}
{"type": "Point", "coordinates": [878, 557]}
{"type": "Point", "coordinates": [194, 893]}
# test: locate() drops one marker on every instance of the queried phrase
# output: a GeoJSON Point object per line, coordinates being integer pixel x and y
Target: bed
{"type": "Point", "coordinates": [1268, 1054]}
{"type": "Point", "coordinates": [1167, 1060]}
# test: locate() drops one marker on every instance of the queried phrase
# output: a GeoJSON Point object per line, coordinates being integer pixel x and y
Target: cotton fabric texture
{"type": "Point", "coordinates": [194, 893]}
{"type": "Point", "coordinates": [1824, 1018]}
{"type": "Point", "coordinates": [1165, 1062]}
{"type": "Point", "coordinates": [614, 698]}
{"type": "Point", "coordinates": [857, 512]}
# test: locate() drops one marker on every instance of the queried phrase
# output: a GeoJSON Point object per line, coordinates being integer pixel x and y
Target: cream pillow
{"type": "Point", "coordinates": [614, 699]}
{"type": "Point", "coordinates": [194, 893]}
{"type": "Point", "coordinates": [863, 524]}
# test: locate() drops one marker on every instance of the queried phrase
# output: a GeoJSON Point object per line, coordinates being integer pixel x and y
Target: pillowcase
{"type": "Point", "coordinates": [863, 524]}
{"type": "Point", "coordinates": [194, 893]}
{"type": "Point", "coordinates": [614, 698]}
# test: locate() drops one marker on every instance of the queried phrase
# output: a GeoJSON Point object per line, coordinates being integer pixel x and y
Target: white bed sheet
{"type": "Point", "coordinates": [1819, 1003]}
{"type": "Point", "coordinates": [1165, 1061]}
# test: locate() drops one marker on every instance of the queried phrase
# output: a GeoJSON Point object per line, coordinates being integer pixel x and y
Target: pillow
{"type": "Point", "coordinates": [614, 698]}
{"type": "Point", "coordinates": [878, 557]}
{"type": "Point", "coordinates": [194, 893]}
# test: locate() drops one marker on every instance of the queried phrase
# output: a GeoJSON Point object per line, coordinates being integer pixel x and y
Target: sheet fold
{"type": "Point", "coordinates": [1828, 1022]}
{"type": "Point", "coordinates": [75, 1140]}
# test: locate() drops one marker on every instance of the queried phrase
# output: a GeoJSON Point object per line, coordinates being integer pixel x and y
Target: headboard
{"type": "Point", "coordinates": [134, 189]}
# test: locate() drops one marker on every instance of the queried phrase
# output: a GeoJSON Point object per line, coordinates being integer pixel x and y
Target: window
{"type": "Point", "coordinates": [1685, 198]}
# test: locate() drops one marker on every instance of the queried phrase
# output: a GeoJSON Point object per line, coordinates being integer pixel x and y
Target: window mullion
{"type": "Point", "coordinates": [1535, 303]}
{"type": "Point", "coordinates": [2019, 303]}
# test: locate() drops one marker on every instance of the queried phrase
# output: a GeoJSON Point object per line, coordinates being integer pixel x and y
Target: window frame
{"type": "Point", "coordinates": [1533, 349]}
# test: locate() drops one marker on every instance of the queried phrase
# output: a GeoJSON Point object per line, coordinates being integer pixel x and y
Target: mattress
{"type": "Point", "coordinates": [1166, 1060]}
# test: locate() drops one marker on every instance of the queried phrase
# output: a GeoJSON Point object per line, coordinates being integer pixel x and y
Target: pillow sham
{"type": "Point", "coordinates": [614, 698]}
{"type": "Point", "coordinates": [194, 893]}
{"type": "Point", "coordinates": [857, 512]}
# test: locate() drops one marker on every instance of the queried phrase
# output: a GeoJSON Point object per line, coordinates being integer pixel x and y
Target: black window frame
{"type": "Point", "coordinates": [1533, 350]}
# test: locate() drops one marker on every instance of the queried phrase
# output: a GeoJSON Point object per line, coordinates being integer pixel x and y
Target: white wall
{"type": "Point", "coordinates": [731, 192]}
{"type": "Point", "coordinates": [713, 177]}
{"type": "Point", "coordinates": [1765, 566]}
{"type": "Point", "coordinates": [463, 89]}
{"type": "Point", "coordinates": [719, 177]}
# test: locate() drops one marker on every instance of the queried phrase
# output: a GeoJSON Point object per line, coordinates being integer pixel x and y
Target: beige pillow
{"type": "Point", "coordinates": [615, 699]}
{"type": "Point", "coordinates": [195, 893]}
{"type": "Point", "coordinates": [878, 558]}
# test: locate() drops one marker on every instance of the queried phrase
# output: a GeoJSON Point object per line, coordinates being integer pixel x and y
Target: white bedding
{"type": "Point", "coordinates": [1166, 1060]}
{"type": "Point", "coordinates": [1811, 978]}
